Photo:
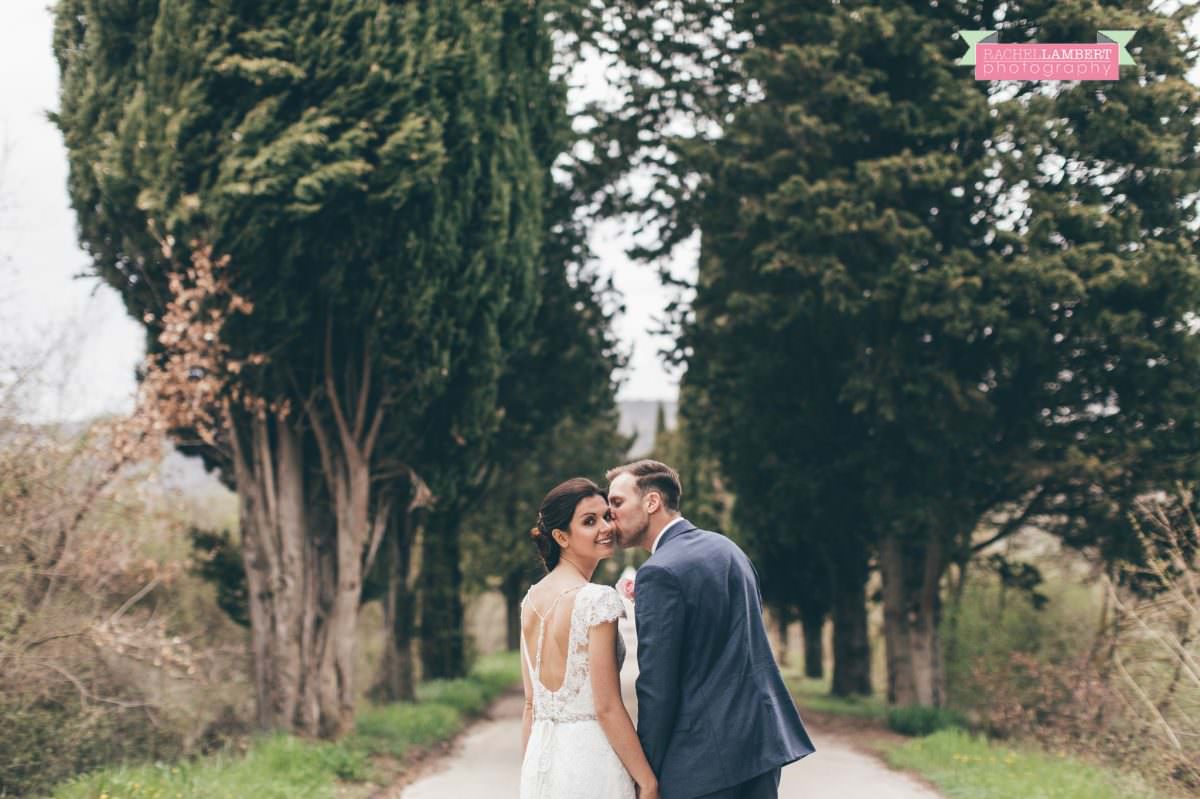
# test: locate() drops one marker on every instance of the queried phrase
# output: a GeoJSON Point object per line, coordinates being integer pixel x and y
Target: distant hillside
{"type": "Point", "coordinates": [638, 416]}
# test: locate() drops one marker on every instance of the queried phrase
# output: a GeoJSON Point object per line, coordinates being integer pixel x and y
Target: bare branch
{"type": "Point", "coordinates": [348, 440]}
{"type": "Point", "coordinates": [364, 392]}
{"type": "Point", "coordinates": [85, 695]}
{"type": "Point", "coordinates": [378, 528]}
{"type": "Point", "coordinates": [133, 600]}
{"type": "Point", "coordinates": [1014, 524]}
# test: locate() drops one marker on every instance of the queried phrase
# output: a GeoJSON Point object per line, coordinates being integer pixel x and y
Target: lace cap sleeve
{"type": "Point", "coordinates": [605, 606]}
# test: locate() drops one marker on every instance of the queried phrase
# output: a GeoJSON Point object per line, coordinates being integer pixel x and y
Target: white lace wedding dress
{"type": "Point", "coordinates": [569, 756]}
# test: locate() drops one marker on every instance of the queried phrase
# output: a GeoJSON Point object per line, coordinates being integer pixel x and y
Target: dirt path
{"type": "Point", "coordinates": [486, 763]}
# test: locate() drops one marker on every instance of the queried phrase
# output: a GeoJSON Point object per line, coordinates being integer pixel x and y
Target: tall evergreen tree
{"type": "Point", "coordinates": [373, 172]}
{"type": "Point", "coordinates": [560, 383]}
{"type": "Point", "coordinates": [929, 309]}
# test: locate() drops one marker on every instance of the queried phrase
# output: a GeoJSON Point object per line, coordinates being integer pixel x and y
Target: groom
{"type": "Point", "coordinates": [714, 716]}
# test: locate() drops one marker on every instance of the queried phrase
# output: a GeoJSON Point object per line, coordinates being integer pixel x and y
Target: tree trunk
{"type": "Point", "coordinates": [269, 471]}
{"type": "Point", "coordinates": [901, 686]}
{"type": "Point", "coordinates": [321, 581]}
{"type": "Point", "coordinates": [346, 442]}
{"type": "Point", "coordinates": [928, 668]}
{"type": "Point", "coordinates": [781, 630]}
{"type": "Point", "coordinates": [397, 680]}
{"type": "Point", "coordinates": [912, 612]}
{"type": "Point", "coordinates": [360, 526]}
{"type": "Point", "coordinates": [442, 619]}
{"type": "Point", "coordinates": [851, 643]}
{"type": "Point", "coordinates": [951, 633]}
{"type": "Point", "coordinates": [812, 621]}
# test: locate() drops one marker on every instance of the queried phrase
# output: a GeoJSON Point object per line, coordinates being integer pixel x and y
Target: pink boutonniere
{"type": "Point", "coordinates": [625, 587]}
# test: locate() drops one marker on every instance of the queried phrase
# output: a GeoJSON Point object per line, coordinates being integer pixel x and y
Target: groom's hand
{"type": "Point", "coordinates": [660, 628]}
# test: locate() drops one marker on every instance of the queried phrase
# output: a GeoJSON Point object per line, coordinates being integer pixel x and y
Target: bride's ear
{"type": "Point", "coordinates": [560, 537]}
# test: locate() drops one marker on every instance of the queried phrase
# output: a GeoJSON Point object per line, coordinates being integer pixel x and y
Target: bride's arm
{"type": "Point", "coordinates": [610, 709]}
{"type": "Point", "coordinates": [527, 713]}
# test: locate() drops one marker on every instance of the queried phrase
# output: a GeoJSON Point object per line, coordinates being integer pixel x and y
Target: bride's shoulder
{"type": "Point", "coordinates": [599, 591]}
{"type": "Point", "coordinates": [604, 603]}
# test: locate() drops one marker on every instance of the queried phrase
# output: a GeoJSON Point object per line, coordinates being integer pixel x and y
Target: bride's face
{"type": "Point", "coordinates": [592, 530]}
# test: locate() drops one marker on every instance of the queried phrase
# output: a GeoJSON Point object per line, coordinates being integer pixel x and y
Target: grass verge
{"type": "Point", "coordinates": [282, 767]}
{"type": "Point", "coordinates": [814, 695]}
{"type": "Point", "coordinates": [966, 766]}
{"type": "Point", "coordinates": [960, 764]}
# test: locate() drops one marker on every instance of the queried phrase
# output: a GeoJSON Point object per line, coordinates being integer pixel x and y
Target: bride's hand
{"type": "Point", "coordinates": [649, 791]}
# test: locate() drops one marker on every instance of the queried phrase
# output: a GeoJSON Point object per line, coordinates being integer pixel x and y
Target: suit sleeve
{"type": "Point", "coordinates": [660, 626]}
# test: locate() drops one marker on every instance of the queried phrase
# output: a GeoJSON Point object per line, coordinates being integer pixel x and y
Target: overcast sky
{"type": "Point", "coordinates": [46, 293]}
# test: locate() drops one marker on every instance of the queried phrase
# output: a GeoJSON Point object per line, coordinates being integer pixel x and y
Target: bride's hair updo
{"type": "Point", "coordinates": [556, 512]}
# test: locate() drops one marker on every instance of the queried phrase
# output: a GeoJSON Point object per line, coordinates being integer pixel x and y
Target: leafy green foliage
{"type": "Point", "coordinates": [925, 302]}
{"type": "Point", "coordinates": [377, 173]}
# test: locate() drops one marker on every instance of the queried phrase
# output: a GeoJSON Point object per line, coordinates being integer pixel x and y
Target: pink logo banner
{"type": "Point", "coordinates": [1047, 62]}
{"type": "Point", "coordinates": [1052, 61]}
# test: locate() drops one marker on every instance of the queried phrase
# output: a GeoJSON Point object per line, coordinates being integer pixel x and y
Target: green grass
{"type": "Point", "coordinates": [966, 766]}
{"type": "Point", "coordinates": [394, 729]}
{"type": "Point", "coordinates": [282, 767]}
{"type": "Point", "coordinates": [497, 672]}
{"type": "Point", "coordinates": [814, 695]}
{"type": "Point", "coordinates": [276, 767]}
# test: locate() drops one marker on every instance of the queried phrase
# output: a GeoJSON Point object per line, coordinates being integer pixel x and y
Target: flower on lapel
{"type": "Point", "coordinates": [625, 587]}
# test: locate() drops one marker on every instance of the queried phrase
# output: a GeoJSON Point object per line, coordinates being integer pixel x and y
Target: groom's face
{"type": "Point", "coordinates": [628, 511]}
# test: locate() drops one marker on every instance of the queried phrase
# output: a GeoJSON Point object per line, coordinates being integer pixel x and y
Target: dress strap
{"type": "Point", "coordinates": [550, 609]}
{"type": "Point", "coordinates": [537, 667]}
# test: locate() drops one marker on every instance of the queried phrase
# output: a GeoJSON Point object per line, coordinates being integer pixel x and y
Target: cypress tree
{"type": "Point", "coordinates": [373, 173]}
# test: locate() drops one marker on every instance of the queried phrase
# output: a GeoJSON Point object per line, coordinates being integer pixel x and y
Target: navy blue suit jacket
{"type": "Point", "coordinates": [713, 710]}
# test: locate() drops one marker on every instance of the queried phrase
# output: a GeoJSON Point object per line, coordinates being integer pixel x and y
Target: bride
{"type": "Point", "coordinates": [578, 739]}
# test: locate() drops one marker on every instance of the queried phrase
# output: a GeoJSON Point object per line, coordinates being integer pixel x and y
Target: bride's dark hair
{"type": "Point", "coordinates": [556, 512]}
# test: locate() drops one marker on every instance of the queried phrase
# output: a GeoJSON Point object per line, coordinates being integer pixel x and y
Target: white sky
{"type": "Point", "coordinates": [46, 295]}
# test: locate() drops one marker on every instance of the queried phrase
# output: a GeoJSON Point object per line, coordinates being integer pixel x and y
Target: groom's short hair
{"type": "Point", "coordinates": [652, 476]}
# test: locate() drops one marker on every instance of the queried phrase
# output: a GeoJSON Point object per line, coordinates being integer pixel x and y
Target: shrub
{"type": "Point", "coordinates": [919, 720]}
{"type": "Point", "coordinates": [47, 742]}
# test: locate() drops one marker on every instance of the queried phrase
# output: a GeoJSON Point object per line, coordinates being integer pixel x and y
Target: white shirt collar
{"type": "Point", "coordinates": [670, 524]}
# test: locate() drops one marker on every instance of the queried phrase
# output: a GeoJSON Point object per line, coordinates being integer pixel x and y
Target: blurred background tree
{"type": "Point", "coordinates": [929, 311]}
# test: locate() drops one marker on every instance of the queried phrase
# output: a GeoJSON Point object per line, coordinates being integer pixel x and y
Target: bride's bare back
{"type": "Point", "coordinates": [547, 614]}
